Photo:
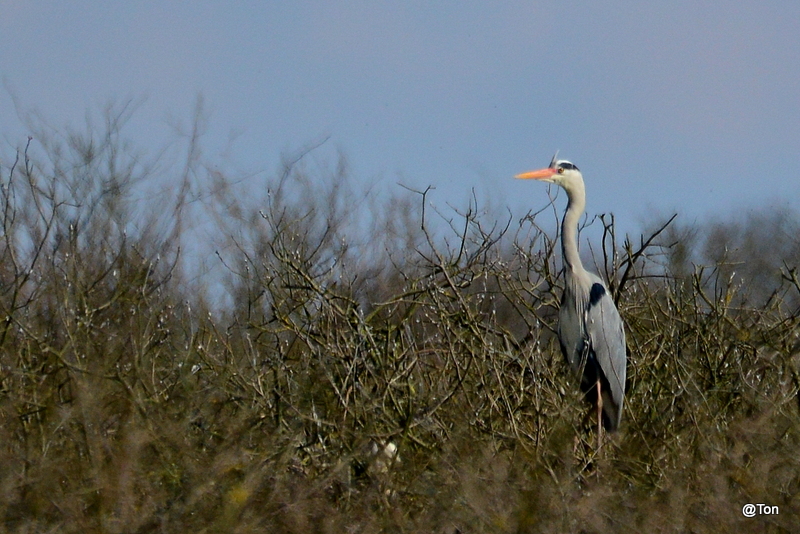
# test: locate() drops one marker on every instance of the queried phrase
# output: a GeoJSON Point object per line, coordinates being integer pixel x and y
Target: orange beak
{"type": "Point", "coordinates": [537, 175]}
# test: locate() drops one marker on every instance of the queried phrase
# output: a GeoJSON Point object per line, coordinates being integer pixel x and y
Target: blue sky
{"type": "Point", "coordinates": [688, 106]}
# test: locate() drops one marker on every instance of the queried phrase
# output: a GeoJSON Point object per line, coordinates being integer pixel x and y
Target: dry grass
{"type": "Point", "coordinates": [129, 403]}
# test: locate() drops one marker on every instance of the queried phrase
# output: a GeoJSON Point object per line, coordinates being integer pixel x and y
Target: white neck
{"type": "Point", "coordinates": [576, 205]}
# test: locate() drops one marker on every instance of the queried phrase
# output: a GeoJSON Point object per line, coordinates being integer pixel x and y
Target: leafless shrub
{"type": "Point", "coordinates": [131, 402]}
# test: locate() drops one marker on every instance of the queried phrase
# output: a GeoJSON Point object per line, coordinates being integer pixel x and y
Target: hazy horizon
{"type": "Point", "coordinates": [690, 107]}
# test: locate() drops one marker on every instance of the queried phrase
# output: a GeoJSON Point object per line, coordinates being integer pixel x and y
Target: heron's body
{"type": "Point", "coordinates": [590, 329]}
{"type": "Point", "coordinates": [593, 342]}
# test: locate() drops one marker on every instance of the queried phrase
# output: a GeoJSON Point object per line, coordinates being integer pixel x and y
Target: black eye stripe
{"type": "Point", "coordinates": [567, 165]}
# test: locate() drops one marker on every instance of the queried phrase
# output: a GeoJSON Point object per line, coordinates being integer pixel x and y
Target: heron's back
{"type": "Point", "coordinates": [592, 340]}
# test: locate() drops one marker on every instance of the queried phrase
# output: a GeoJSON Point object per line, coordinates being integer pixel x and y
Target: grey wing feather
{"type": "Point", "coordinates": [607, 337]}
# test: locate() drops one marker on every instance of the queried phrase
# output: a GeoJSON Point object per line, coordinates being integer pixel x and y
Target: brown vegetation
{"type": "Point", "coordinates": [137, 395]}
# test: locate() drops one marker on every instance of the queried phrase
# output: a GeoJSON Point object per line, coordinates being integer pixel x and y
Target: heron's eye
{"type": "Point", "coordinates": [560, 170]}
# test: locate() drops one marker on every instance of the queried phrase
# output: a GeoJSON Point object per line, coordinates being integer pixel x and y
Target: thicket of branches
{"type": "Point", "coordinates": [139, 396]}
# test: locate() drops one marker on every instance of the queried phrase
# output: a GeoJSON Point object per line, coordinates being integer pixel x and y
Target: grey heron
{"type": "Point", "coordinates": [590, 329]}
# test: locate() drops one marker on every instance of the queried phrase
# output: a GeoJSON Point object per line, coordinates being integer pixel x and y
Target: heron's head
{"type": "Point", "coordinates": [560, 172]}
